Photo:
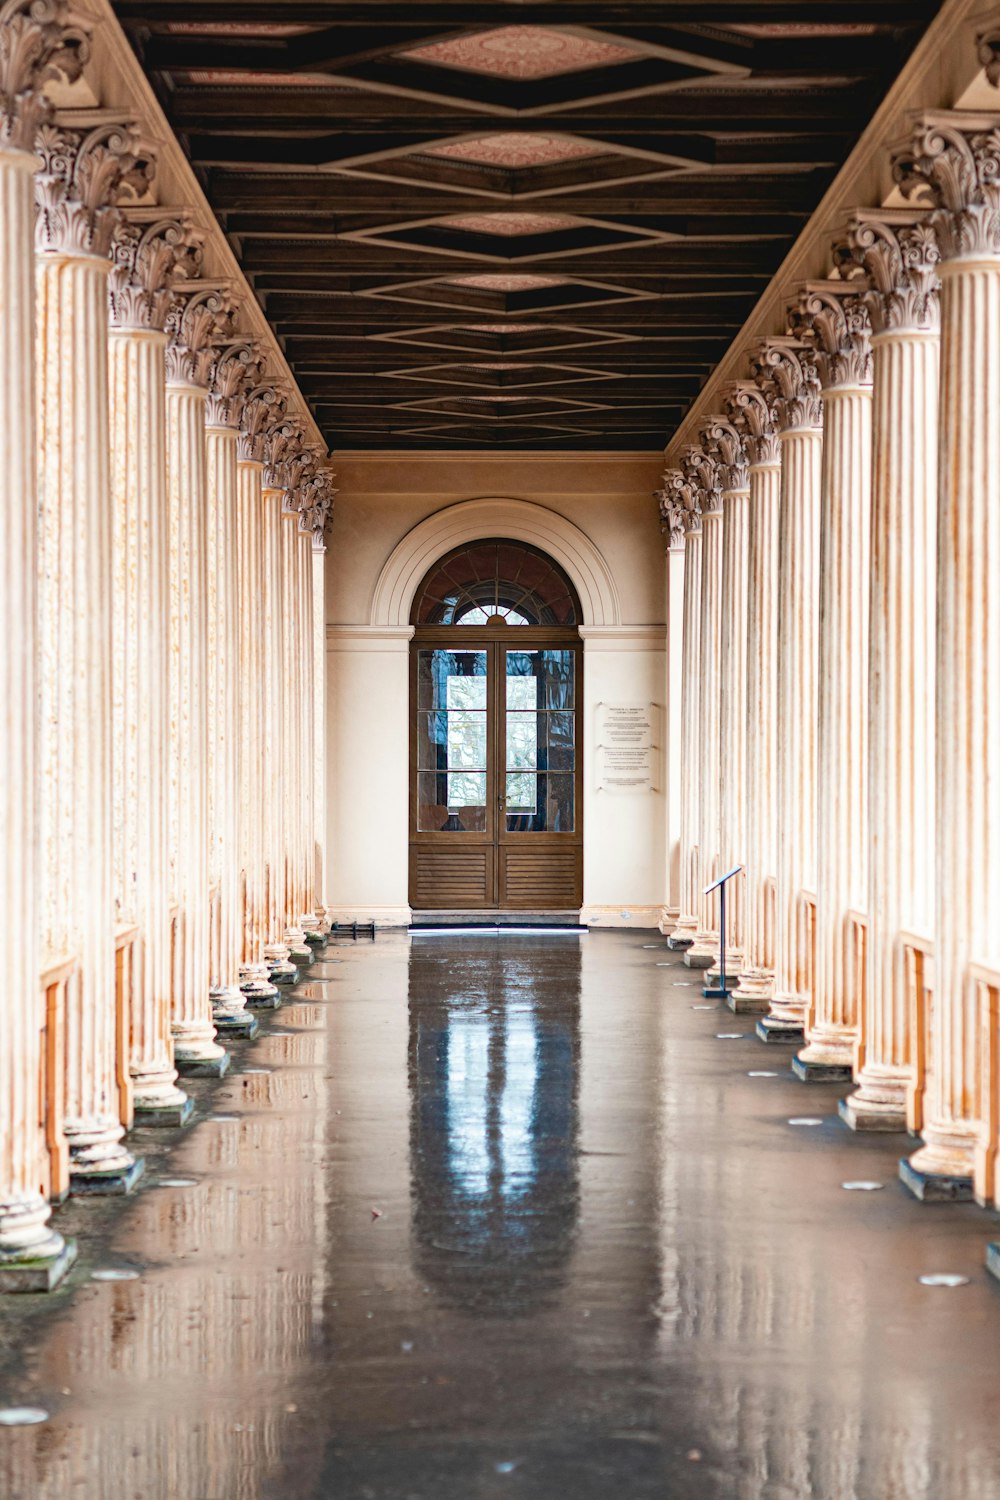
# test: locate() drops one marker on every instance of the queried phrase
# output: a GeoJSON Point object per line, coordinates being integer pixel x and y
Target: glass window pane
{"type": "Point", "coordinates": [437, 812]}
{"type": "Point", "coordinates": [522, 693]}
{"type": "Point", "coordinates": [554, 810]}
{"type": "Point", "coordinates": [451, 679]}
{"type": "Point", "coordinates": [558, 671]}
{"type": "Point", "coordinates": [522, 741]}
{"type": "Point", "coordinates": [522, 793]}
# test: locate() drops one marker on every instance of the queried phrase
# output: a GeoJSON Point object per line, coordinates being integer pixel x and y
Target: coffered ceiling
{"type": "Point", "coordinates": [523, 223]}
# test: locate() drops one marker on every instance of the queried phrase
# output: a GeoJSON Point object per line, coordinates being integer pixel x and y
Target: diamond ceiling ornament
{"type": "Point", "coordinates": [521, 52]}
{"type": "Point", "coordinates": [502, 327]}
{"type": "Point", "coordinates": [509, 225]}
{"type": "Point", "coordinates": [514, 148]}
{"type": "Point", "coordinates": [501, 283]}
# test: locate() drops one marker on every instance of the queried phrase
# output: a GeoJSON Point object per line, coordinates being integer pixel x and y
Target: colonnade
{"type": "Point", "coordinates": [854, 476]}
{"type": "Point", "coordinates": [160, 597]}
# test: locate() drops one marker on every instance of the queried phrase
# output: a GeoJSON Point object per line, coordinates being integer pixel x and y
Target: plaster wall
{"type": "Point", "coordinates": [605, 502]}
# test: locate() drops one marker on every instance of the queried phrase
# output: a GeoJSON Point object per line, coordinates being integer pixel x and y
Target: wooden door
{"type": "Point", "coordinates": [496, 771]}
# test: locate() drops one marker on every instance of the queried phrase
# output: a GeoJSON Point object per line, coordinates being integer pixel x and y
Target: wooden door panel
{"type": "Point", "coordinates": [540, 877]}
{"type": "Point", "coordinates": [451, 878]}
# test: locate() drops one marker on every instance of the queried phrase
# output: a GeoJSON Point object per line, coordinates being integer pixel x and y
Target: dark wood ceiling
{"type": "Point", "coordinates": [525, 223]}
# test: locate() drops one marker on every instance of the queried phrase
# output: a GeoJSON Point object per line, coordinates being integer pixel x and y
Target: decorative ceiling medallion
{"type": "Point", "coordinates": [521, 52]}
{"type": "Point", "coordinates": [514, 148]}
{"type": "Point", "coordinates": [503, 283]}
{"type": "Point", "coordinates": [509, 225]}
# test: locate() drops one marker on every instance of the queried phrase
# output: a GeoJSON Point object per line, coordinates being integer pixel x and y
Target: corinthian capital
{"type": "Point", "coordinates": [263, 405]}
{"type": "Point", "coordinates": [724, 441]}
{"type": "Point", "coordinates": [39, 40]}
{"type": "Point", "coordinates": [785, 367]}
{"type": "Point", "coordinates": [285, 456]}
{"type": "Point", "coordinates": [701, 470]}
{"type": "Point", "coordinates": [149, 254]}
{"type": "Point", "coordinates": [236, 369]}
{"type": "Point", "coordinates": [86, 176]}
{"type": "Point", "coordinates": [753, 408]}
{"type": "Point", "coordinates": [200, 317]}
{"type": "Point", "coordinates": [899, 252]}
{"type": "Point", "coordinates": [315, 497]}
{"type": "Point", "coordinates": [673, 510]}
{"type": "Point", "coordinates": [831, 318]}
{"type": "Point", "coordinates": [954, 160]}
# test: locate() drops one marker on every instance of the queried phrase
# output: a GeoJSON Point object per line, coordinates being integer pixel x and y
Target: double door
{"type": "Point", "coordinates": [495, 772]}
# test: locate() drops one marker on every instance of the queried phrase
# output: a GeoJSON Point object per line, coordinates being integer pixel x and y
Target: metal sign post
{"type": "Point", "coordinates": [722, 993]}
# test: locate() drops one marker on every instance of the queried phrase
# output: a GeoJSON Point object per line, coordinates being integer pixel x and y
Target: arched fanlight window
{"type": "Point", "coordinates": [496, 583]}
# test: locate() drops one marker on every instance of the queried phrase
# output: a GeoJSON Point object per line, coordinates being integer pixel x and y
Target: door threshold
{"type": "Point", "coordinates": [496, 921]}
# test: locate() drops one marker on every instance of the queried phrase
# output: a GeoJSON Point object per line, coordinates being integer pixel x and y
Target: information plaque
{"type": "Point", "coordinates": [627, 749]}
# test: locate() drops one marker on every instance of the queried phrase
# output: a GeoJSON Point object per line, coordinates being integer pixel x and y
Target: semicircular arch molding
{"type": "Point", "coordinates": [471, 521]}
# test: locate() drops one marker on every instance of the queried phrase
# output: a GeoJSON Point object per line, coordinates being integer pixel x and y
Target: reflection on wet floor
{"type": "Point", "coordinates": [503, 1217]}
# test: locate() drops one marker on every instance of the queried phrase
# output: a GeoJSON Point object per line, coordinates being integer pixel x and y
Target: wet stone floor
{"type": "Point", "coordinates": [506, 1218]}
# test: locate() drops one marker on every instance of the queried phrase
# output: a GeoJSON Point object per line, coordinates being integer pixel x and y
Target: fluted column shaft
{"type": "Point", "coordinates": [968, 705]}
{"type": "Point", "coordinates": [705, 946]}
{"type": "Point", "coordinates": [733, 788]}
{"type": "Point", "coordinates": [75, 690]}
{"type": "Point", "coordinates": [319, 726]}
{"type": "Point", "coordinates": [901, 713]}
{"type": "Point", "coordinates": [756, 981]}
{"type": "Point", "coordinates": [842, 792]}
{"type": "Point", "coordinates": [141, 554]}
{"type": "Point", "coordinates": [798, 633]}
{"type": "Point", "coordinates": [192, 668]}
{"type": "Point", "coordinates": [24, 1211]}
{"type": "Point", "coordinates": [250, 581]}
{"type": "Point", "coordinates": [273, 728]}
{"type": "Point", "coordinates": [294, 746]}
{"type": "Point", "coordinates": [675, 718]}
{"type": "Point", "coordinates": [687, 922]}
{"type": "Point", "coordinates": [307, 658]}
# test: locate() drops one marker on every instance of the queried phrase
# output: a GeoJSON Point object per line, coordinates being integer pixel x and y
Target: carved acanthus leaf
{"type": "Point", "coordinates": [284, 455]}
{"type": "Point", "coordinates": [263, 405]}
{"type": "Point", "coordinates": [701, 470]}
{"type": "Point", "coordinates": [199, 319]}
{"type": "Point", "coordinates": [786, 367]}
{"type": "Point", "coordinates": [831, 318]}
{"type": "Point", "coordinates": [39, 40]}
{"type": "Point", "coordinates": [147, 261]}
{"type": "Point", "coordinates": [988, 52]}
{"type": "Point", "coordinates": [85, 178]}
{"type": "Point", "coordinates": [754, 408]}
{"type": "Point", "coordinates": [954, 158]}
{"type": "Point", "coordinates": [236, 369]}
{"type": "Point", "coordinates": [723, 439]}
{"type": "Point", "coordinates": [673, 511]}
{"type": "Point", "coordinates": [315, 495]}
{"type": "Point", "coordinates": [900, 260]}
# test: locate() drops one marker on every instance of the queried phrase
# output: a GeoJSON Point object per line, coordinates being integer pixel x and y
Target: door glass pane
{"type": "Point", "coordinates": [451, 741]}
{"type": "Point", "coordinates": [540, 739]}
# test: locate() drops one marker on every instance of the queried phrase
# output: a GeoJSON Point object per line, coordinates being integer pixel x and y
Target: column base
{"type": "Point", "coordinates": [242, 1025]}
{"type": "Point", "coordinates": [862, 1114]}
{"type": "Point", "coordinates": [807, 1071]}
{"type": "Point", "coordinates": [38, 1273]}
{"type": "Point", "coordinates": [696, 958]}
{"type": "Point", "coordinates": [787, 1033]}
{"type": "Point", "coordinates": [263, 997]}
{"type": "Point", "coordinates": [298, 947]}
{"type": "Point", "coordinates": [678, 944]}
{"type": "Point", "coordinates": [993, 1259]}
{"type": "Point", "coordinates": [208, 1066]}
{"type": "Point", "coordinates": [934, 1187]}
{"type": "Point", "coordinates": [114, 1181]}
{"type": "Point", "coordinates": [287, 979]}
{"type": "Point", "coordinates": [154, 1114]}
{"type": "Point", "coordinates": [742, 1004]}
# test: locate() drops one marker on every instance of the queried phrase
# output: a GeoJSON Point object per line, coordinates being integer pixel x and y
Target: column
{"type": "Point", "coordinates": [833, 318]}
{"type": "Point", "coordinates": [781, 366]}
{"type": "Point", "coordinates": [200, 317]}
{"type": "Point", "coordinates": [280, 442]}
{"type": "Point", "coordinates": [954, 156]}
{"type": "Point", "coordinates": [316, 498]}
{"type": "Point", "coordinates": [727, 440]}
{"type": "Point", "coordinates": [686, 496]}
{"type": "Point", "coordinates": [82, 175]}
{"type": "Point", "coordinates": [258, 402]}
{"type": "Point", "coordinates": [228, 379]}
{"type": "Point", "coordinates": [756, 981]}
{"type": "Point", "coordinates": [702, 470]}
{"type": "Point", "coordinates": [33, 1257]}
{"type": "Point", "coordinates": [672, 523]}
{"type": "Point", "coordinates": [294, 747]}
{"type": "Point", "coordinates": [147, 251]}
{"type": "Point", "coordinates": [899, 255]}
{"type": "Point", "coordinates": [319, 717]}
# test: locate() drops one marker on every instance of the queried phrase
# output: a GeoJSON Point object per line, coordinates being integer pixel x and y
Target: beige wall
{"type": "Point", "coordinates": [382, 497]}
